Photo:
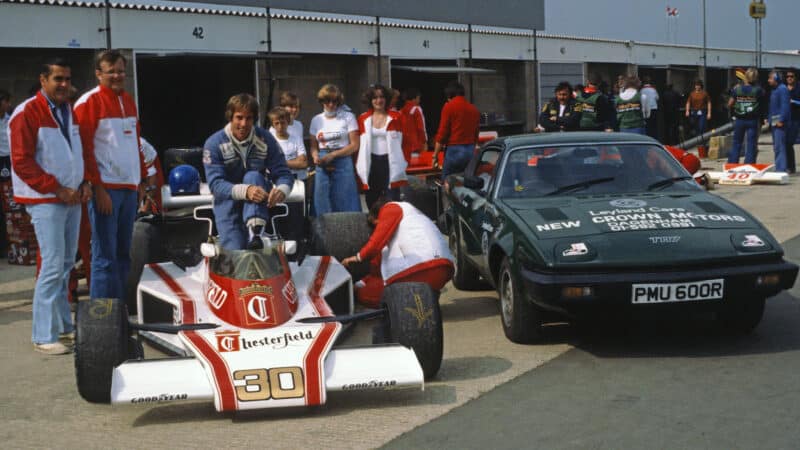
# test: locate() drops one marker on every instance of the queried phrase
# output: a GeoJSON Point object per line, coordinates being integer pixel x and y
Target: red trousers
{"type": "Point", "coordinates": [370, 294]}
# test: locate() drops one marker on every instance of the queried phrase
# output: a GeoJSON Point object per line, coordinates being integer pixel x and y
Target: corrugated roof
{"type": "Point", "coordinates": [166, 6]}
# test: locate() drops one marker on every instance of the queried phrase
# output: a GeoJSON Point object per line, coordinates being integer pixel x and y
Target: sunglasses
{"type": "Point", "coordinates": [326, 101]}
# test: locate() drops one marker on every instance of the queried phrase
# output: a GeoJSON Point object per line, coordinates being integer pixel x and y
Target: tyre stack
{"type": "Point", "coordinates": [21, 239]}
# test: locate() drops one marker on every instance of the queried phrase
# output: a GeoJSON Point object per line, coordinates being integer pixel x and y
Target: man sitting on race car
{"type": "Point", "coordinates": [237, 160]}
{"type": "Point", "coordinates": [407, 246]}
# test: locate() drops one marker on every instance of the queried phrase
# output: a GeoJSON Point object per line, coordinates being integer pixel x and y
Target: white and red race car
{"type": "Point", "coordinates": [251, 329]}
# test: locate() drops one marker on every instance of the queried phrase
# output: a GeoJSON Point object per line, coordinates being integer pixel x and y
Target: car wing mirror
{"type": "Point", "coordinates": [473, 182]}
{"type": "Point", "coordinates": [208, 249]}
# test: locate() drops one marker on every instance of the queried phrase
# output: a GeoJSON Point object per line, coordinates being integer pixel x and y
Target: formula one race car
{"type": "Point", "coordinates": [251, 329]}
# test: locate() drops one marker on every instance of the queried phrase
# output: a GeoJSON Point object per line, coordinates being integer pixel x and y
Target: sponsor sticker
{"type": "Point", "coordinates": [576, 249]}
{"type": "Point", "coordinates": [751, 240]}
{"type": "Point", "coordinates": [627, 203]}
{"type": "Point", "coordinates": [227, 341]}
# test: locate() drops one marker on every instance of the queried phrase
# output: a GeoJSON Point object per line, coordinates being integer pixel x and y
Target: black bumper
{"type": "Point", "coordinates": [613, 290]}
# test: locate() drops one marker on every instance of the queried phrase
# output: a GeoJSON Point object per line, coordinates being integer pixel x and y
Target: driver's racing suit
{"type": "Point", "coordinates": [231, 167]}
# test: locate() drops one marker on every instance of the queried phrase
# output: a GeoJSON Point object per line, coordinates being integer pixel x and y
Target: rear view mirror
{"type": "Point", "coordinates": [208, 249]}
{"type": "Point", "coordinates": [290, 247]}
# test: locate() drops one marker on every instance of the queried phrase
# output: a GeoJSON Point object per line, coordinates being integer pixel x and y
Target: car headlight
{"type": "Point", "coordinates": [750, 242]}
{"type": "Point", "coordinates": [574, 252]}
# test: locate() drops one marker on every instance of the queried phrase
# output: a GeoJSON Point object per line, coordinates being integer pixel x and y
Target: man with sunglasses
{"type": "Point", "coordinates": [109, 128]}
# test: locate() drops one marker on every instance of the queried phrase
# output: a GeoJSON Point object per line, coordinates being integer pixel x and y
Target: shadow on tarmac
{"type": "Point", "coordinates": [471, 368]}
{"type": "Point", "coordinates": [470, 308]}
{"type": "Point", "coordinates": [16, 296]}
{"type": "Point", "coordinates": [338, 403]}
{"type": "Point", "coordinates": [10, 316]}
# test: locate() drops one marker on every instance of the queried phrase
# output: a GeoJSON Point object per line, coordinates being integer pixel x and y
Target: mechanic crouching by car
{"type": "Point", "coordinates": [237, 160]}
{"type": "Point", "coordinates": [407, 247]}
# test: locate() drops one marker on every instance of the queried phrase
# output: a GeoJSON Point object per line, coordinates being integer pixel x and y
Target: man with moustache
{"type": "Point", "coordinates": [48, 178]}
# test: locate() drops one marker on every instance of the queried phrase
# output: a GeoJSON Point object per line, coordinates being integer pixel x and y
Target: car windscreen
{"type": "Point", "coordinates": [591, 169]}
{"type": "Point", "coordinates": [249, 264]}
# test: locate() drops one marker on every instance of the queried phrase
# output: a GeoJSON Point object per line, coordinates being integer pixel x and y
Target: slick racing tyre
{"type": "Point", "coordinates": [743, 316]}
{"type": "Point", "coordinates": [147, 247]}
{"type": "Point", "coordinates": [465, 277]}
{"type": "Point", "coordinates": [521, 319]}
{"type": "Point", "coordinates": [193, 156]}
{"type": "Point", "coordinates": [340, 235]}
{"type": "Point", "coordinates": [102, 342]}
{"type": "Point", "coordinates": [413, 319]}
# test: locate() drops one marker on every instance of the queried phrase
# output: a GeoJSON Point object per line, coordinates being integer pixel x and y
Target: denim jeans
{"type": "Point", "coordinates": [740, 127]}
{"type": "Point", "coordinates": [231, 216]}
{"type": "Point", "coordinates": [335, 190]}
{"type": "Point", "coordinates": [56, 226]}
{"type": "Point", "coordinates": [456, 158]}
{"type": "Point", "coordinates": [111, 244]}
{"type": "Point", "coordinates": [779, 147]}
{"type": "Point", "coordinates": [791, 137]}
{"type": "Point", "coordinates": [698, 120]}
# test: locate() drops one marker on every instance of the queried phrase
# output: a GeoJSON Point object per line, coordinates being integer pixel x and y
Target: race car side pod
{"type": "Point", "coordinates": [370, 367]}
{"type": "Point", "coordinates": [347, 318]}
{"type": "Point", "coordinates": [170, 328]}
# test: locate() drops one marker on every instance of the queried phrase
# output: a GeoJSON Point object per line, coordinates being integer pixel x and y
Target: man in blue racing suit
{"type": "Point", "coordinates": [246, 173]}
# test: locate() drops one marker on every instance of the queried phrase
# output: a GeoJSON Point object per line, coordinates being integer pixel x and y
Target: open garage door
{"type": "Point", "coordinates": [182, 98]}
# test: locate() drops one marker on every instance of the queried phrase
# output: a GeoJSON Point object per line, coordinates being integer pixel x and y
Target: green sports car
{"type": "Point", "coordinates": [589, 223]}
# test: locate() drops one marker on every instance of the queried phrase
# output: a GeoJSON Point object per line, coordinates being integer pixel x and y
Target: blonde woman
{"type": "Point", "coordinates": [333, 139]}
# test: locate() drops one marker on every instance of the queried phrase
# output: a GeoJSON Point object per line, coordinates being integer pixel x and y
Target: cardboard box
{"type": "Point", "coordinates": [719, 146]}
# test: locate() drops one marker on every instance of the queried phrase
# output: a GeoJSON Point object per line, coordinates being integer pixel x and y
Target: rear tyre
{"type": "Point", "coordinates": [340, 235]}
{"type": "Point", "coordinates": [465, 277]}
{"type": "Point", "coordinates": [742, 317]}
{"type": "Point", "coordinates": [413, 319]}
{"type": "Point", "coordinates": [102, 342]}
{"type": "Point", "coordinates": [147, 247]}
{"type": "Point", "coordinates": [521, 319]}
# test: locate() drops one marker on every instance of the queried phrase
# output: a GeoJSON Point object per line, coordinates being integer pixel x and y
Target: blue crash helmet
{"type": "Point", "coordinates": [184, 180]}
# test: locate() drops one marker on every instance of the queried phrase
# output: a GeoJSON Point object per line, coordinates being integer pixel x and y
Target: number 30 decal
{"type": "Point", "coordinates": [262, 384]}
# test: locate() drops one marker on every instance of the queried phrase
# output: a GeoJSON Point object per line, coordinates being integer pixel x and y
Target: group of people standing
{"type": "Point", "coordinates": [588, 108]}
{"type": "Point", "coordinates": [65, 155]}
{"type": "Point", "coordinates": [634, 109]}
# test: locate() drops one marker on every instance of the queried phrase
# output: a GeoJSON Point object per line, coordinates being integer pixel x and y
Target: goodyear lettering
{"type": "Point", "coordinates": [369, 385]}
{"type": "Point", "coordinates": [160, 398]}
{"type": "Point", "coordinates": [558, 225]}
{"type": "Point", "coordinates": [277, 342]}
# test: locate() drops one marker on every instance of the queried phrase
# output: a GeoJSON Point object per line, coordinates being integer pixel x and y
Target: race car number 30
{"type": "Point", "coordinates": [678, 292]}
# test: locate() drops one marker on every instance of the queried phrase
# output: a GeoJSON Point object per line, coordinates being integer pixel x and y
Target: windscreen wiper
{"type": "Point", "coordinates": [668, 181]}
{"type": "Point", "coordinates": [579, 186]}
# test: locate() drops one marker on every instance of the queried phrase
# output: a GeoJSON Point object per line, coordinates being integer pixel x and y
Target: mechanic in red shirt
{"type": "Point", "coordinates": [458, 131]}
{"type": "Point", "coordinates": [406, 246]}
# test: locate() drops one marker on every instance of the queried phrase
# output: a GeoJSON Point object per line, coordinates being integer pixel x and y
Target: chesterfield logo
{"type": "Point", "coordinates": [290, 293]}
{"type": "Point", "coordinates": [215, 294]}
{"type": "Point", "coordinates": [257, 308]}
{"type": "Point", "coordinates": [227, 341]}
{"type": "Point", "coordinates": [259, 304]}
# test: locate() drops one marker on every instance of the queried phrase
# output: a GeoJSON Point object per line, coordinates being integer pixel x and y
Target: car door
{"type": "Point", "coordinates": [478, 214]}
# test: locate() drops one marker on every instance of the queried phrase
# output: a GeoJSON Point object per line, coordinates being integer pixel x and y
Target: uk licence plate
{"type": "Point", "coordinates": [678, 292]}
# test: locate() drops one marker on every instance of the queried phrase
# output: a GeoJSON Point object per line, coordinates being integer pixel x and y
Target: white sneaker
{"type": "Point", "coordinates": [53, 348]}
{"type": "Point", "coordinates": [67, 338]}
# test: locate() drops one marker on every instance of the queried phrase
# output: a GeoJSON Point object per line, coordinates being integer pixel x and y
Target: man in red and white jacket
{"type": "Point", "coordinates": [110, 136]}
{"type": "Point", "coordinates": [48, 177]}
{"type": "Point", "coordinates": [408, 247]}
{"type": "Point", "coordinates": [415, 137]}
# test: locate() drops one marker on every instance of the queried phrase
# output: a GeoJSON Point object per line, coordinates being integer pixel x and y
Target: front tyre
{"type": "Point", "coordinates": [521, 319]}
{"type": "Point", "coordinates": [742, 317]}
{"type": "Point", "coordinates": [102, 342]}
{"type": "Point", "coordinates": [413, 319]}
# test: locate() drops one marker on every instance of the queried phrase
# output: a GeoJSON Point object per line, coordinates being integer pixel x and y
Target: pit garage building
{"type": "Point", "coordinates": [185, 60]}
